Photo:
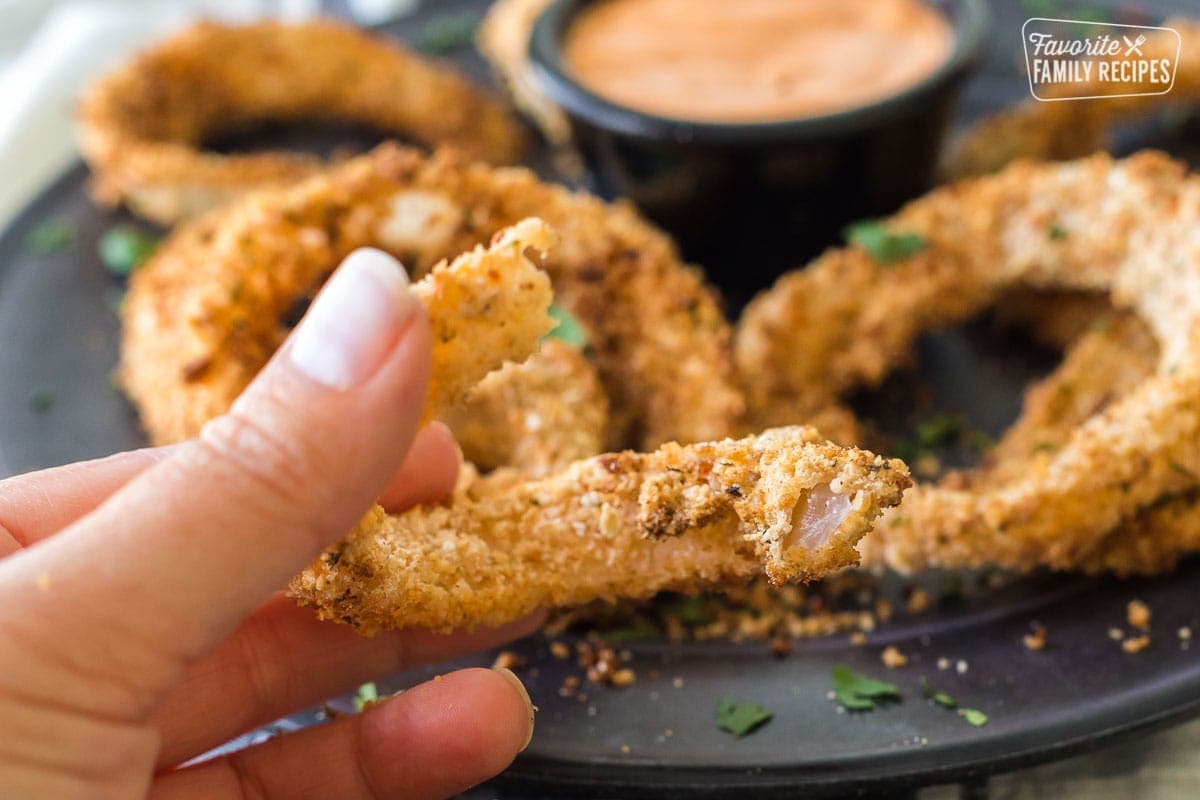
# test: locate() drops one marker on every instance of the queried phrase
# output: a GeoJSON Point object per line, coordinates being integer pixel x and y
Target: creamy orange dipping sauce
{"type": "Point", "coordinates": [753, 60]}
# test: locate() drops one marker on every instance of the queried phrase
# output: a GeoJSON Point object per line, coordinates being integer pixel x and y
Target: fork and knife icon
{"type": "Point", "coordinates": [1134, 46]}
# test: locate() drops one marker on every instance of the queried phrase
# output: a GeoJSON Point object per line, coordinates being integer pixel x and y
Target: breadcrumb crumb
{"type": "Point", "coordinates": [1136, 644]}
{"type": "Point", "coordinates": [1138, 614]}
{"type": "Point", "coordinates": [1036, 639]}
{"type": "Point", "coordinates": [892, 657]}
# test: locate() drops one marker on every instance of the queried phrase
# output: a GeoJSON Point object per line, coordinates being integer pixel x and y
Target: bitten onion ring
{"type": "Point", "coordinates": [208, 309]}
{"type": "Point", "coordinates": [618, 525]}
{"type": "Point", "coordinates": [1130, 227]}
{"type": "Point", "coordinates": [141, 125]}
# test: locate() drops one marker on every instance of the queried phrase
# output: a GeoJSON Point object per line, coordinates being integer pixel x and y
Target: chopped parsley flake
{"type": "Point", "coordinates": [1056, 233]}
{"type": "Point", "coordinates": [690, 610]}
{"type": "Point", "coordinates": [858, 693]}
{"type": "Point", "coordinates": [124, 249]}
{"type": "Point", "coordinates": [41, 401]}
{"type": "Point", "coordinates": [939, 697]}
{"type": "Point", "coordinates": [642, 630]}
{"type": "Point", "coordinates": [974, 716]}
{"type": "Point", "coordinates": [568, 328]}
{"type": "Point", "coordinates": [51, 235]}
{"type": "Point", "coordinates": [446, 32]}
{"type": "Point", "coordinates": [367, 693]}
{"type": "Point", "coordinates": [939, 431]}
{"type": "Point", "coordinates": [884, 245]}
{"type": "Point", "coordinates": [741, 719]}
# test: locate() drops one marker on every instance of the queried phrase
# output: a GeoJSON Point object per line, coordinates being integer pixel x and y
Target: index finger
{"type": "Point", "coordinates": [169, 565]}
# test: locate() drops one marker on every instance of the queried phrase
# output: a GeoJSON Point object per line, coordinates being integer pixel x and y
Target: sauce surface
{"type": "Point", "coordinates": [753, 60]}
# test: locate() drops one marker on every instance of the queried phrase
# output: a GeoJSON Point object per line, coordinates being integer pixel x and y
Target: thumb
{"type": "Point", "coordinates": [189, 548]}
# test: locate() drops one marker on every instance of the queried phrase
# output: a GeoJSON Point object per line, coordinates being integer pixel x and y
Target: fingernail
{"type": "Point", "coordinates": [355, 320]}
{"type": "Point", "coordinates": [512, 678]}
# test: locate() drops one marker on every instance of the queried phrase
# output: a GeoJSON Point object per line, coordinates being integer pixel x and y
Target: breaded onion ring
{"type": "Point", "coordinates": [143, 124]}
{"type": "Point", "coordinates": [1128, 227]}
{"type": "Point", "coordinates": [618, 525]}
{"type": "Point", "coordinates": [536, 417]}
{"type": "Point", "coordinates": [1066, 130]}
{"type": "Point", "coordinates": [486, 307]}
{"type": "Point", "coordinates": [1113, 357]}
{"type": "Point", "coordinates": [205, 313]}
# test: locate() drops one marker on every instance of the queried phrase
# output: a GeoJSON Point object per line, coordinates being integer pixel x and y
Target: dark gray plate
{"type": "Point", "coordinates": [58, 340]}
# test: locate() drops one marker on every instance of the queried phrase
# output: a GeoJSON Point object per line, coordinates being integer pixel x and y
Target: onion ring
{"type": "Point", "coordinates": [535, 417]}
{"type": "Point", "coordinates": [1065, 130]}
{"type": "Point", "coordinates": [618, 525]}
{"type": "Point", "coordinates": [206, 311]}
{"type": "Point", "coordinates": [1115, 355]}
{"type": "Point", "coordinates": [1128, 227]}
{"type": "Point", "coordinates": [141, 125]}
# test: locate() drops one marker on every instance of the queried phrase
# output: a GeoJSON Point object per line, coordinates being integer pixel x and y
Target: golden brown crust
{"type": "Point", "coordinates": [205, 313]}
{"type": "Point", "coordinates": [141, 126]}
{"type": "Point", "coordinates": [1125, 226]}
{"type": "Point", "coordinates": [1052, 318]}
{"type": "Point", "coordinates": [1057, 131]}
{"type": "Point", "coordinates": [536, 416]}
{"type": "Point", "coordinates": [486, 307]}
{"type": "Point", "coordinates": [617, 525]}
{"type": "Point", "coordinates": [1112, 357]}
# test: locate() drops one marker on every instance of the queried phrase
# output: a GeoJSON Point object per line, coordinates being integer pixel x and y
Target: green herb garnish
{"type": "Point", "coordinates": [367, 693]}
{"type": "Point", "coordinates": [741, 719]}
{"type": "Point", "coordinates": [41, 401]}
{"type": "Point", "coordinates": [50, 235]}
{"type": "Point", "coordinates": [974, 716]}
{"type": "Point", "coordinates": [939, 697]}
{"type": "Point", "coordinates": [1056, 233]}
{"type": "Point", "coordinates": [642, 630]}
{"type": "Point", "coordinates": [689, 610]}
{"type": "Point", "coordinates": [979, 441]}
{"type": "Point", "coordinates": [124, 249]}
{"type": "Point", "coordinates": [939, 431]}
{"type": "Point", "coordinates": [858, 693]}
{"type": "Point", "coordinates": [447, 32]}
{"type": "Point", "coordinates": [884, 245]}
{"type": "Point", "coordinates": [568, 328]}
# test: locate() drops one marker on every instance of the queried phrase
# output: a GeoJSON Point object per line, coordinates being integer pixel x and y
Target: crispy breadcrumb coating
{"type": "Point", "coordinates": [1111, 358]}
{"type": "Point", "coordinates": [618, 525]}
{"type": "Point", "coordinates": [536, 416]}
{"type": "Point", "coordinates": [209, 308]}
{"type": "Point", "coordinates": [488, 306]}
{"type": "Point", "coordinates": [1065, 130]}
{"type": "Point", "coordinates": [142, 125]}
{"type": "Point", "coordinates": [1128, 227]}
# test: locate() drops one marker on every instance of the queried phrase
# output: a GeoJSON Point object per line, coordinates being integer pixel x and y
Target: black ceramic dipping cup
{"type": "Point", "coordinates": [749, 201]}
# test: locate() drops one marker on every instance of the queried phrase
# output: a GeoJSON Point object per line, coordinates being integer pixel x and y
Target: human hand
{"type": "Point", "coordinates": [140, 618]}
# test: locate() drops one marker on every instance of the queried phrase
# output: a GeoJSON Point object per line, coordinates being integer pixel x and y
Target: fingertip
{"type": "Point", "coordinates": [463, 728]}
